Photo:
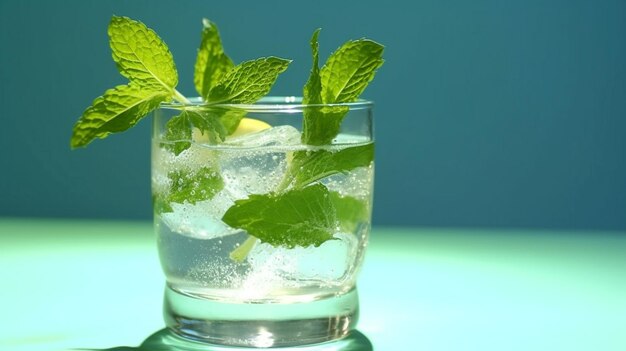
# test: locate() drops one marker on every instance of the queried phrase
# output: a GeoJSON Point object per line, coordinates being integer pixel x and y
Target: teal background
{"type": "Point", "coordinates": [489, 113]}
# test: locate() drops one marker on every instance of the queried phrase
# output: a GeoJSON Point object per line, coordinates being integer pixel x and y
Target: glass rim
{"type": "Point", "coordinates": [268, 104]}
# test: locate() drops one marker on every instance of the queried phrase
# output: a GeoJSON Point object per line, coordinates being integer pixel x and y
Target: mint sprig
{"type": "Point", "coordinates": [302, 212]}
{"type": "Point", "coordinates": [218, 80]}
{"type": "Point", "coordinates": [342, 79]}
{"type": "Point", "coordinates": [143, 58]}
{"type": "Point", "coordinates": [242, 84]}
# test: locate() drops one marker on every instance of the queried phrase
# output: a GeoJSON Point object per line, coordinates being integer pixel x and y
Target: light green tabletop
{"type": "Point", "coordinates": [95, 285]}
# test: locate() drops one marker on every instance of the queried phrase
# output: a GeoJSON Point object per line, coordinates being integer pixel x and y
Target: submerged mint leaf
{"type": "Point", "coordinates": [161, 205]}
{"type": "Point", "coordinates": [194, 186]}
{"type": "Point", "coordinates": [117, 110]}
{"type": "Point", "coordinates": [211, 62]}
{"type": "Point", "coordinates": [141, 55]}
{"type": "Point", "coordinates": [300, 217]}
{"type": "Point", "coordinates": [349, 70]}
{"type": "Point", "coordinates": [310, 166]}
{"type": "Point", "coordinates": [248, 81]}
{"type": "Point", "coordinates": [178, 133]}
{"type": "Point", "coordinates": [350, 211]}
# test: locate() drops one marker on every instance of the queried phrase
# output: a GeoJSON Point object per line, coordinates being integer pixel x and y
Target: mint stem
{"type": "Point", "coordinates": [284, 182]}
{"type": "Point", "coordinates": [240, 253]}
{"type": "Point", "coordinates": [180, 97]}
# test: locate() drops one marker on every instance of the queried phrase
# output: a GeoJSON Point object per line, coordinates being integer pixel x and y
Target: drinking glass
{"type": "Point", "coordinates": [296, 283]}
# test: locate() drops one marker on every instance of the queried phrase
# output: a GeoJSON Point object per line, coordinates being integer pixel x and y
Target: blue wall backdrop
{"type": "Point", "coordinates": [489, 113]}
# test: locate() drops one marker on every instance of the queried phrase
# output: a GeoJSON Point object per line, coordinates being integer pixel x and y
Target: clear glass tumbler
{"type": "Point", "coordinates": [262, 214]}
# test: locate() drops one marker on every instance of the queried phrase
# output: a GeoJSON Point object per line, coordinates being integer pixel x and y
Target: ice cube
{"type": "Point", "coordinates": [329, 262]}
{"type": "Point", "coordinates": [255, 166]}
{"type": "Point", "coordinates": [258, 164]}
{"type": "Point", "coordinates": [202, 220]}
{"type": "Point", "coordinates": [275, 136]}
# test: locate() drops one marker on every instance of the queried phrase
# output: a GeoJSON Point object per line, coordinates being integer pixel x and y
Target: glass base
{"type": "Point", "coordinates": [260, 324]}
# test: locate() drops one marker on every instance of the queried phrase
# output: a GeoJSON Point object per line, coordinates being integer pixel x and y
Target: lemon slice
{"type": "Point", "coordinates": [250, 125]}
{"type": "Point", "coordinates": [247, 125]}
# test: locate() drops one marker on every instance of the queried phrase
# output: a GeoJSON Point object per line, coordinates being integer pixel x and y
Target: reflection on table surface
{"type": "Point", "coordinates": [97, 285]}
{"type": "Point", "coordinates": [164, 340]}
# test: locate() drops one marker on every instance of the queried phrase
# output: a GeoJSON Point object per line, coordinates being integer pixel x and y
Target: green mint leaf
{"type": "Point", "coordinates": [313, 87]}
{"type": "Point", "coordinates": [178, 133]}
{"type": "Point", "coordinates": [117, 110]}
{"type": "Point", "coordinates": [214, 122]}
{"type": "Point", "coordinates": [343, 78]}
{"type": "Point", "coordinates": [321, 124]}
{"type": "Point", "coordinates": [311, 166]}
{"type": "Point", "coordinates": [350, 211]}
{"type": "Point", "coordinates": [208, 123]}
{"type": "Point", "coordinates": [194, 186]}
{"type": "Point", "coordinates": [141, 55]}
{"type": "Point", "coordinates": [229, 117]}
{"type": "Point", "coordinates": [211, 62]}
{"type": "Point", "coordinates": [300, 217]}
{"type": "Point", "coordinates": [248, 81]}
{"type": "Point", "coordinates": [349, 70]}
{"type": "Point", "coordinates": [161, 205]}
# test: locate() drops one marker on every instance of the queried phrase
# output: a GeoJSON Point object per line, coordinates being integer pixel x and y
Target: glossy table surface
{"type": "Point", "coordinates": [75, 284]}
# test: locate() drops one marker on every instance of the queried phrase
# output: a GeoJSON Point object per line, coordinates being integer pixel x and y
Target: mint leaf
{"type": "Point", "coordinates": [194, 186]}
{"type": "Point", "coordinates": [229, 117]}
{"type": "Point", "coordinates": [350, 211]}
{"type": "Point", "coordinates": [178, 133]}
{"type": "Point", "coordinates": [313, 87]}
{"type": "Point", "coordinates": [215, 122]}
{"type": "Point", "coordinates": [349, 70]}
{"type": "Point", "coordinates": [141, 55]}
{"type": "Point", "coordinates": [117, 110]}
{"type": "Point", "coordinates": [300, 217]}
{"type": "Point", "coordinates": [248, 81]}
{"type": "Point", "coordinates": [211, 62]}
{"type": "Point", "coordinates": [161, 205]}
{"type": "Point", "coordinates": [321, 124]}
{"type": "Point", "coordinates": [310, 166]}
{"type": "Point", "coordinates": [207, 122]}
